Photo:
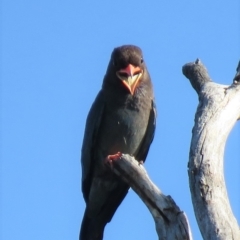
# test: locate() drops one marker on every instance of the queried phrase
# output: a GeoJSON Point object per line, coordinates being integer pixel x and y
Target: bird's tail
{"type": "Point", "coordinates": [91, 229]}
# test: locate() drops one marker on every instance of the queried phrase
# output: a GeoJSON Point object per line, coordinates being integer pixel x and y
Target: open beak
{"type": "Point", "coordinates": [130, 76]}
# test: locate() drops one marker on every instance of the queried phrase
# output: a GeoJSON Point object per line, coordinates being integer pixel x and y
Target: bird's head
{"type": "Point", "coordinates": [127, 66]}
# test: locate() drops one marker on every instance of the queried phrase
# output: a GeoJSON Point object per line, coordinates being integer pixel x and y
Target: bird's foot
{"type": "Point", "coordinates": [110, 158]}
{"type": "Point", "coordinates": [140, 162]}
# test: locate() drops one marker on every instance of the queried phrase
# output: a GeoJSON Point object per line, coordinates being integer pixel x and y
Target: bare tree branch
{"type": "Point", "coordinates": [171, 222]}
{"type": "Point", "coordinates": [217, 112]}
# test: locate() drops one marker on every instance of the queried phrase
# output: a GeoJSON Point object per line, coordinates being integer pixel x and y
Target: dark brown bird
{"type": "Point", "coordinates": [121, 119]}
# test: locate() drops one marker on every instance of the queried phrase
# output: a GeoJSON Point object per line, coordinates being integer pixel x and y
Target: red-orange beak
{"type": "Point", "coordinates": [130, 77]}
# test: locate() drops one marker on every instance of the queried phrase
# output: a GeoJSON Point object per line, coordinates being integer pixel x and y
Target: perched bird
{"type": "Point", "coordinates": [121, 119]}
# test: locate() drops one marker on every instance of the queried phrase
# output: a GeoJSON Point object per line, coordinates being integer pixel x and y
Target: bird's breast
{"type": "Point", "coordinates": [123, 128]}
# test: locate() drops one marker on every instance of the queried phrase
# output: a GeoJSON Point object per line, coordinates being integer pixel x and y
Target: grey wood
{"type": "Point", "coordinates": [171, 223]}
{"type": "Point", "coordinates": [217, 112]}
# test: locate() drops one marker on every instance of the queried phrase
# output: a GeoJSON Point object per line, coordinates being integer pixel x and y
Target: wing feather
{"type": "Point", "coordinates": [91, 130]}
{"type": "Point", "coordinates": [149, 135]}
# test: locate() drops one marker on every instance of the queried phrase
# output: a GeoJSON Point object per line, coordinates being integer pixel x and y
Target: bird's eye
{"type": "Point", "coordinates": [141, 60]}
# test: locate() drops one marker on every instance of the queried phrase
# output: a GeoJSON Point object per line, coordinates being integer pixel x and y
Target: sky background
{"type": "Point", "coordinates": [54, 55]}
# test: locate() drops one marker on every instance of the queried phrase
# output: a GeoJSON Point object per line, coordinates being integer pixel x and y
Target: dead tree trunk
{"type": "Point", "coordinates": [217, 112]}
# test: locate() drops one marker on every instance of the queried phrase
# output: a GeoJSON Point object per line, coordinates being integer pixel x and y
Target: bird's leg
{"type": "Point", "coordinates": [110, 158]}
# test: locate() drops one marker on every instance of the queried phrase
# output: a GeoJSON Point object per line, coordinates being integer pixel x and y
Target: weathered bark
{"type": "Point", "coordinates": [171, 222]}
{"type": "Point", "coordinates": [217, 112]}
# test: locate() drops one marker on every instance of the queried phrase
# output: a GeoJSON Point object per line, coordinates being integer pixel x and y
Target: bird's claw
{"type": "Point", "coordinates": [140, 163]}
{"type": "Point", "coordinates": [110, 158]}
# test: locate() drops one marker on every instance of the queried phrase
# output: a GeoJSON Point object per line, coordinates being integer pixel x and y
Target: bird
{"type": "Point", "coordinates": [122, 119]}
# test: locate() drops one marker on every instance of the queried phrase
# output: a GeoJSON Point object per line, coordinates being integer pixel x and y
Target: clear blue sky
{"type": "Point", "coordinates": [54, 55]}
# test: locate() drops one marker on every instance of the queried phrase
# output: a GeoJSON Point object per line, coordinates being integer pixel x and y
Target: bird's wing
{"type": "Point", "coordinates": [91, 130]}
{"type": "Point", "coordinates": [149, 135]}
